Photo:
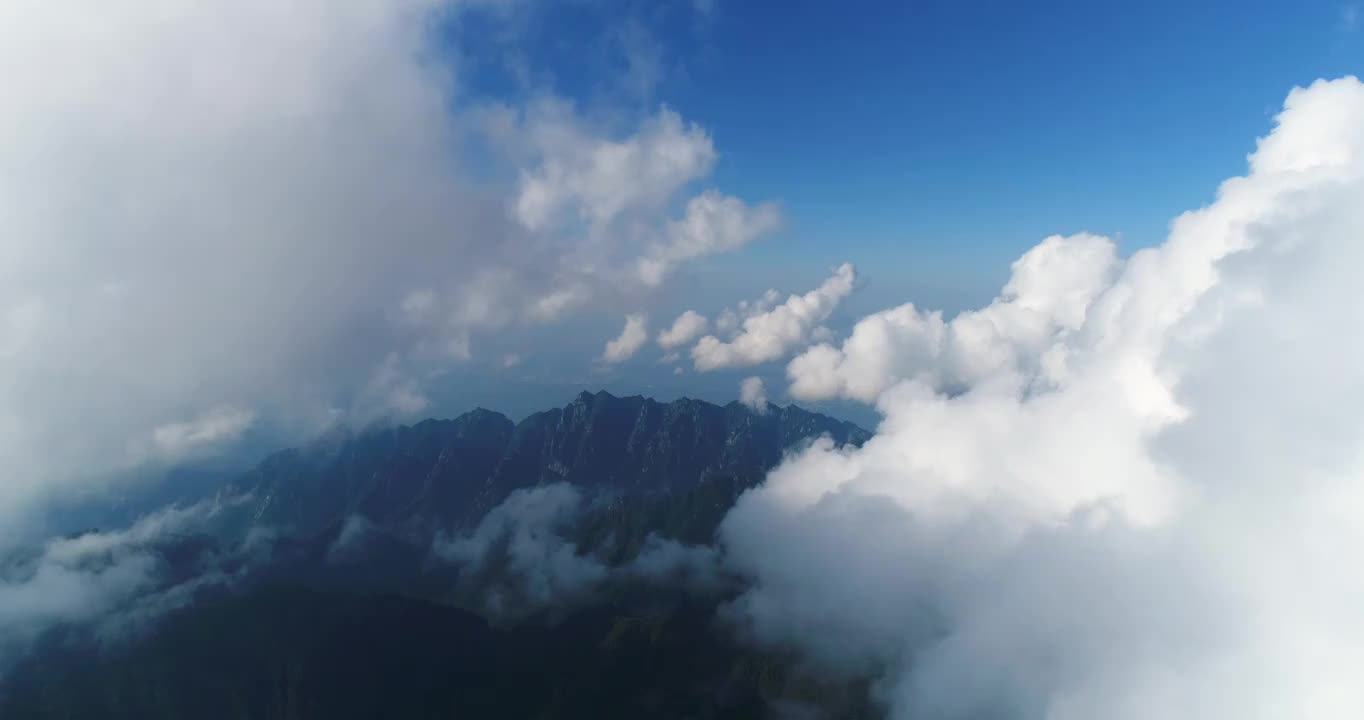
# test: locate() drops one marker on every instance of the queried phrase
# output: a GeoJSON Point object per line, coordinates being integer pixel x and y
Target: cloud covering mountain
{"type": "Point", "coordinates": [200, 243]}
{"type": "Point", "coordinates": [1126, 489]}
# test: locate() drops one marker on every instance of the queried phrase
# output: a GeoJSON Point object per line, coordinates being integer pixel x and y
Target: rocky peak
{"type": "Point", "coordinates": [451, 472]}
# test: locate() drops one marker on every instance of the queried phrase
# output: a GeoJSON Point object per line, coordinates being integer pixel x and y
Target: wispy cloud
{"type": "Point", "coordinates": [113, 582]}
{"type": "Point", "coordinates": [1349, 18]}
{"type": "Point", "coordinates": [632, 337]}
{"type": "Point", "coordinates": [521, 557]}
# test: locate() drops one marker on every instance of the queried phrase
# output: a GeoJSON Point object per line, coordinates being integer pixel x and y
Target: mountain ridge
{"type": "Point", "coordinates": [448, 473]}
{"type": "Point", "coordinates": [314, 588]}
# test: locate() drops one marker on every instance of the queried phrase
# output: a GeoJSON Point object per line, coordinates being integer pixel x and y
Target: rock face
{"type": "Point", "coordinates": [451, 472]}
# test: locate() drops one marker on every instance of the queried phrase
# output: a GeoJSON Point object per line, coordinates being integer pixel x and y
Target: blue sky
{"type": "Point", "coordinates": [931, 143]}
{"type": "Point", "coordinates": [954, 135]}
{"type": "Point", "coordinates": [407, 209]}
{"type": "Point", "coordinates": [936, 141]}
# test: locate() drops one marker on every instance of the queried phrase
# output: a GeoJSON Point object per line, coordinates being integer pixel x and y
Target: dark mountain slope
{"type": "Point", "coordinates": [338, 610]}
{"type": "Point", "coordinates": [449, 473]}
{"type": "Point", "coordinates": [287, 654]}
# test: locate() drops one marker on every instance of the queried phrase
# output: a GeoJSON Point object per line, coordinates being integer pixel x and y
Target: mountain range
{"type": "Point", "coordinates": [449, 473]}
{"type": "Point", "coordinates": [384, 633]}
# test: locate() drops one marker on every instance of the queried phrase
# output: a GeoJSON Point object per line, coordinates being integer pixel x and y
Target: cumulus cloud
{"type": "Point", "coordinates": [581, 178]}
{"type": "Point", "coordinates": [687, 327]}
{"type": "Point", "coordinates": [632, 337]}
{"type": "Point", "coordinates": [1044, 301]}
{"type": "Point", "coordinates": [612, 194]}
{"type": "Point", "coordinates": [769, 333]}
{"type": "Point", "coordinates": [729, 318]}
{"type": "Point", "coordinates": [753, 394]}
{"type": "Point", "coordinates": [191, 236]}
{"type": "Point", "coordinates": [1120, 491]}
{"type": "Point", "coordinates": [713, 223]}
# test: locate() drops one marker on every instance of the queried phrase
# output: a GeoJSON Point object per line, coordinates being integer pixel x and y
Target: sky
{"type": "Point", "coordinates": [939, 140]}
{"type": "Point", "coordinates": [931, 143]}
{"type": "Point", "coordinates": [394, 210]}
{"type": "Point", "coordinates": [1091, 272]}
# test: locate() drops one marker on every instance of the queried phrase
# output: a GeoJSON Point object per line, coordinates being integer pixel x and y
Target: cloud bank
{"type": "Point", "coordinates": [1045, 300]}
{"type": "Point", "coordinates": [197, 243]}
{"type": "Point", "coordinates": [1123, 490]}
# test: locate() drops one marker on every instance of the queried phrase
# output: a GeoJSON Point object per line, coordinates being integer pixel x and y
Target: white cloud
{"type": "Point", "coordinates": [769, 334]}
{"type": "Point", "coordinates": [729, 319]}
{"type": "Point", "coordinates": [324, 222]}
{"type": "Point", "coordinates": [582, 178]}
{"type": "Point", "coordinates": [1045, 301]}
{"type": "Point", "coordinates": [1132, 503]}
{"type": "Point", "coordinates": [554, 304]}
{"type": "Point", "coordinates": [753, 394]}
{"type": "Point", "coordinates": [390, 392]}
{"type": "Point", "coordinates": [55, 592]}
{"type": "Point", "coordinates": [612, 193]}
{"type": "Point", "coordinates": [632, 337]}
{"type": "Point", "coordinates": [214, 428]}
{"type": "Point", "coordinates": [114, 578]}
{"type": "Point", "coordinates": [518, 558]}
{"type": "Point", "coordinates": [713, 223]}
{"type": "Point", "coordinates": [196, 228]}
{"type": "Point", "coordinates": [687, 327]}
{"type": "Point", "coordinates": [667, 562]}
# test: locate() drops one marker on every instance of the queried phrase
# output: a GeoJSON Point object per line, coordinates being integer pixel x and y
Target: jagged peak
{"type": "Point", "coordinates": [583, 408]}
